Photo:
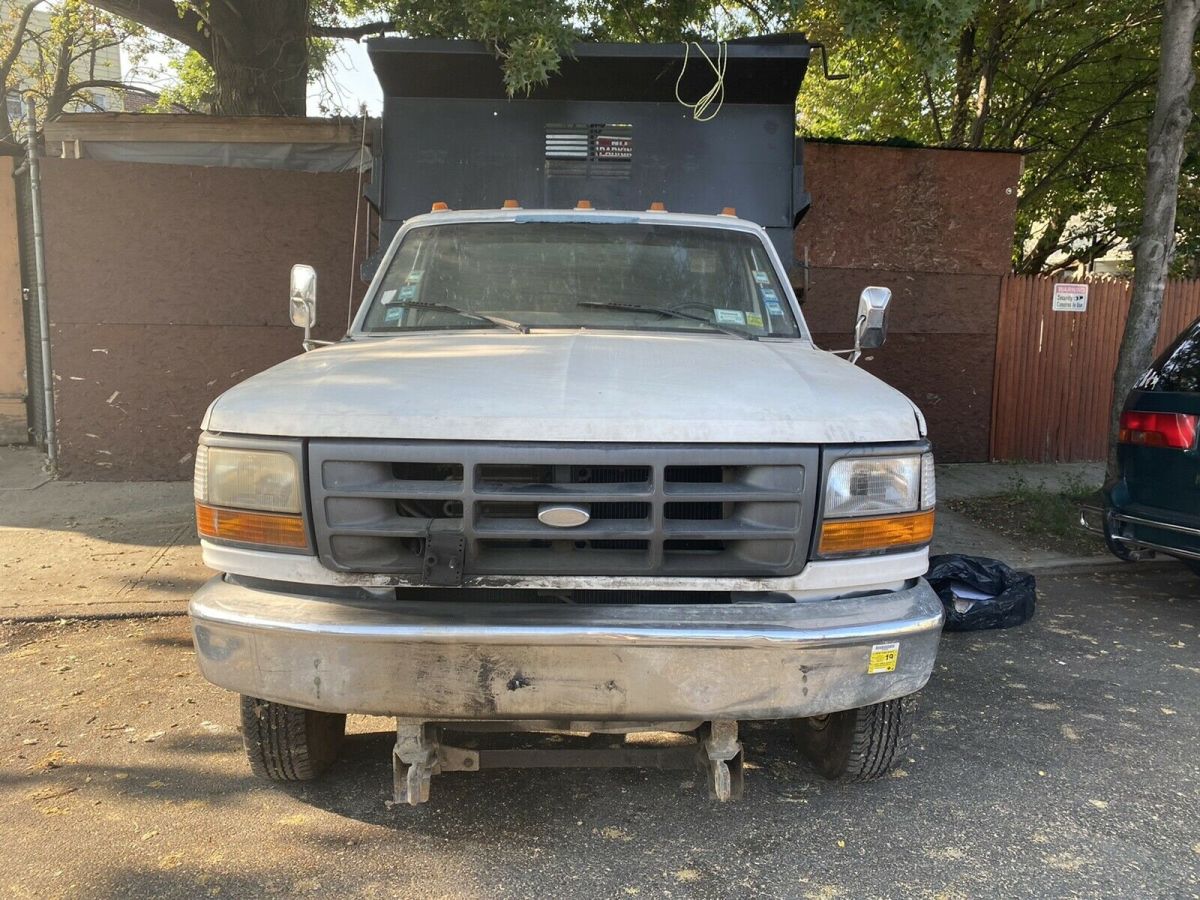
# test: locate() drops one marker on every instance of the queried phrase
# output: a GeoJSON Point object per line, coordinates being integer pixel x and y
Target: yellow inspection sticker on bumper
{"type": "Point", "coordinates": [883, 658]}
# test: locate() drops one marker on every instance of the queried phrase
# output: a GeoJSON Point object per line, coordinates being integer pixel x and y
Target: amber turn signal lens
{"type": "Point", "coordinates": [270, 529]}
{"type": "Point", "coordinates": [840, 536]}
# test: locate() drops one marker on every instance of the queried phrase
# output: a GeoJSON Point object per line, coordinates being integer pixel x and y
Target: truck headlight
{"type": "Point", "coordinates": [249, 496]}
{"type": "Point", "coordinates": [874, 504]}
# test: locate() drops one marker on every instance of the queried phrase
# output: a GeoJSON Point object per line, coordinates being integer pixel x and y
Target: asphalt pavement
{"type": "Point", "coordinates": [1057, 759]}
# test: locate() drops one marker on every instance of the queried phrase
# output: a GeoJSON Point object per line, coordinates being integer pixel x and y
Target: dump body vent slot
{"type": "Point", "coordinates": [652, 510]}
{"type": "Point", "coordinates": [589, 151]}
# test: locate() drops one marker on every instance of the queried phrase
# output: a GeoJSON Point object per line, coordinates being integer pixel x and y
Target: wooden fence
{"type": "Point", "coordinates": [1053, 383]}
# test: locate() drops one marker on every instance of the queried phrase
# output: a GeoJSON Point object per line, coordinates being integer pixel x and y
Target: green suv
{"type": "Point", "coordinates": [1154, 505]}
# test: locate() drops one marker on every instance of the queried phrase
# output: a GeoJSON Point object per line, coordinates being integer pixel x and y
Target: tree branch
{"type": "Point", "coordinates": [933, 110]}
{"type": "Point", "coordinates": [353, 32]}
{"type": "Point", "coordinates": [163, 16]}
{"type": "Point", "coordinates": [18, 42]}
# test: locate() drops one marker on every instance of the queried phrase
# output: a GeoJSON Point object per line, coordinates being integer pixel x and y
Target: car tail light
{"type": "Point", "coordinates": [1158, 429]}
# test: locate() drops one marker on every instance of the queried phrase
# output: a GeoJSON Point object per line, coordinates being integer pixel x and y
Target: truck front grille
{"type": "Point", "coordinates": [655, 510]}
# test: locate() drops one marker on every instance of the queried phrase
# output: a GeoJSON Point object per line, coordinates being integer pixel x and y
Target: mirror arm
{"type": "Point", "coordinates": [856, 352]}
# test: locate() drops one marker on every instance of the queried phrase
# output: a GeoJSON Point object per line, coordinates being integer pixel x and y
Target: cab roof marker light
{"type": "Point", "coordinates": [439, 206]}
{"type": "Point", "coordinates": [584, 204]}
{"type": "Point", "coordinates": [657, 206]}
{"type": "Point", "coordinates": [511, 204]}
{"type": "Point", "coordinates": [729, 211]}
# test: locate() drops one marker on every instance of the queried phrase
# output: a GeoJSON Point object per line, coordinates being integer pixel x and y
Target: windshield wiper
{"type": "Point", "coordinates": [480, 317]}
{"type": "Point", "coordinates": [672, 313]}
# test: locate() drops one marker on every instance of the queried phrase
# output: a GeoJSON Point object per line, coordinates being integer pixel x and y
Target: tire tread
{"type": "Point", "coordinates": [287, 743]}
{"type": "Point", "coordinates": [859, 744]}
{"type": "Point", "coordinates": [880, 736]}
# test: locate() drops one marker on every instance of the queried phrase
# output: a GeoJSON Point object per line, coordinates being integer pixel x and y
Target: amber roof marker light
{"type": "Point", "coordinates": [657, 206]}
{"type": "Point", "coordinates": [584, 204]}
{"type": "Point", "coordinates": [729, 211]}
{"type": "Point", "coordinates": [439, 206]}
{"type": "Point", "coordinates": [511, 204]}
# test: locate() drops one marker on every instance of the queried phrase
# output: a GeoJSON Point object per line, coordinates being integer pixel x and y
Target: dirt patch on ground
{"type": "Point", "coordinates": [1035, 517]}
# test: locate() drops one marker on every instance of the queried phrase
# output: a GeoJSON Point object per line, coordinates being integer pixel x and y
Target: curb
{"type": "Point", "coordinates": [1072, 565]}
{"type": "Point", "coordinates": [118, 615]}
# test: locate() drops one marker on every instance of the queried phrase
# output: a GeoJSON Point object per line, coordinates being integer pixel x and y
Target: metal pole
{"type": "Point", "coordinates": [39, 256]}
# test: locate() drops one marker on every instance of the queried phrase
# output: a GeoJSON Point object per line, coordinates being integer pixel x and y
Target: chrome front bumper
{"type": "Point", "coordinates": [510, 662]}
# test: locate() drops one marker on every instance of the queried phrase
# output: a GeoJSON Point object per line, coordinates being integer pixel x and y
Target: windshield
{"type": "Point", "coordinates": [581, 274]}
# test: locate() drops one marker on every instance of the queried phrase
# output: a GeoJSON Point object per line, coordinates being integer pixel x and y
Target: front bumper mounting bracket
{"type": "Point", "coordinates": [419, 754]}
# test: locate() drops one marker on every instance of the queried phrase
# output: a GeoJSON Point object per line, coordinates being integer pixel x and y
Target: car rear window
{"type": "Point", "coordinates": [1178, 368]}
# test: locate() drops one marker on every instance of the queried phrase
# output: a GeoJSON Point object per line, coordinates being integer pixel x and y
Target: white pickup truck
{"type": "Point", "coordinates": [569, 470]}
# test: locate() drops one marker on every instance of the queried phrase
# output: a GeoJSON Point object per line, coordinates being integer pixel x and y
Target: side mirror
{"type": "Point", "coordinates": [870, 329]}
{"type": "Point", "coordinates": [302, 298]}
{"type": "Point", "coordinates": [302, 301]}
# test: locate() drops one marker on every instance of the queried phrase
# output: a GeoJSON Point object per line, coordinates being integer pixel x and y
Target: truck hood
{"type": "Point", "coordinates": [569, 386]}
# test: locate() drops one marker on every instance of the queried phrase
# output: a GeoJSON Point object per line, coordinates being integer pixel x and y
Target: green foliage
{"type": "Point", "coordinates": [529, 36]}
{"type": "Point", "coordinates": [63, 54]}
{"type": "Point", "coordinates": [193, 87]}
{"type": "Point", "coordinates": [1069, 83]}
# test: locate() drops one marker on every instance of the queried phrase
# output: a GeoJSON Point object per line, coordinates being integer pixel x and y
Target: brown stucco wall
{"type": "Point", "coordinates": [13, 422]}
{"type": "Point", "coordinates": [167, 285]}
{"type": "Point", "coordinates": [935, 226]}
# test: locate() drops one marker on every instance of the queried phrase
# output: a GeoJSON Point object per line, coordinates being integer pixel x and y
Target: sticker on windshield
{"type": "Point", "coordinates": [761, 277]}
{"type": "Point", "coordinates": [389, 296]}
{"type": "Point", "coordinates": [754, 319]}
{"type": "Point", "coordinates": [393, 316]}
{"type": "Point", "coordinates": [768, 294]}
{"type": "Point", "coordinates": [729, 316]}
{"type": "Point", "coordinates": [773, 307]}
{"type": "Point", "coordinates": [408, 292]}
{"type": "Point", "coordinates": [414, 276]}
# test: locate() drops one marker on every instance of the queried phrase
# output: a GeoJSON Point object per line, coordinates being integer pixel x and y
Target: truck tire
{"type": "Point", "coordinates": [857, 744]}
{"type": "Point", "coordinates": [287, 743]}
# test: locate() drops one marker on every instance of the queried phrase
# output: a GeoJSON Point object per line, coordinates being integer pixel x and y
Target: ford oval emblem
{"type": "Point", "coordinates": [563, 515]}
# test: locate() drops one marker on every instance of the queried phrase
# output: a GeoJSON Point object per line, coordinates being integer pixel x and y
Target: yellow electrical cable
{"type": "Point", "coordinates": [717, 92]}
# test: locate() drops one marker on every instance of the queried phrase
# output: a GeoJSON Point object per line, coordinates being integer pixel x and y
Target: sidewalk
{"type": "Point", "coordinates": [116, 549]}
{"type": "Point", "coordinates": [75, 549]}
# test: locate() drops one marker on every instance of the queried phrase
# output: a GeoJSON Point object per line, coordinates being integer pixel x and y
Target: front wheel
{"type": "Point", "coordinates": [287, 743]}
{"type": "Point", "coordinates": [857, 744]}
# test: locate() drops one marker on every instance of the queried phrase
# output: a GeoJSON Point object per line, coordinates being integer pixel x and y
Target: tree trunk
{"type": "Point", "coordinates": [260, 57]}
{"type": "Point", "coordinates": [964, 74]}
{"type": "Point", "coordinates": [1049, 241]}
{"type": "Point", "coordinates": [1156, 242]}
{"type": "Point", "coordinates": [988, 67]}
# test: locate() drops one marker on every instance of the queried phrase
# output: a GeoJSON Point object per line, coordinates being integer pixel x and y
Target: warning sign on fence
{"type": "Point", "coordinates": [1070, 297]}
